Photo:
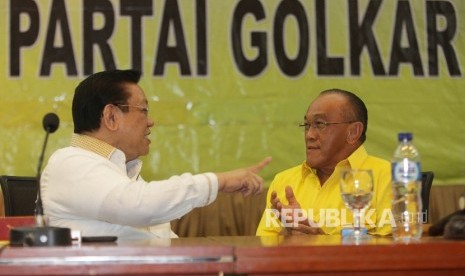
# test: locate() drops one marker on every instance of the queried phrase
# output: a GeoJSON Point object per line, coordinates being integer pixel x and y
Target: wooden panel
{"type": "Point", "coordinates": [295, 255]}
{"type": "Point", "coordinates": [444, 200]}
{"type": "Point", "coordinates": [240, 255]}
{"type": "Point", "coordinates": [126, 258]}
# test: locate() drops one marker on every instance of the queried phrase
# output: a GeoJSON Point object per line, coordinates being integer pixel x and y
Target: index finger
{"type": "Point", "coordinates": [290, 196]}
{"type": "Point", "coordinates": [274, 200]}
{"type": "Point", "coordinates": [260, 165]}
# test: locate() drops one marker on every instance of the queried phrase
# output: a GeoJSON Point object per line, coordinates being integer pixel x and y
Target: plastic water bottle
{"type": "Point", "coordinates": [406, 187]}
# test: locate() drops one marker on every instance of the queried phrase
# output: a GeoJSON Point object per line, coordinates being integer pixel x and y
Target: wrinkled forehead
{"type": "Point", "coordinates": [328, 107]}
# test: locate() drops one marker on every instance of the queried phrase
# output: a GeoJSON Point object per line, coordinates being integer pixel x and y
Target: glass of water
{"type": "Point", "coordinates": [357, 191]}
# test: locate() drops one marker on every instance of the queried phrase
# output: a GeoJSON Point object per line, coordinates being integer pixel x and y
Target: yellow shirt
{"type": "Point", "coordinates": [323, 203]}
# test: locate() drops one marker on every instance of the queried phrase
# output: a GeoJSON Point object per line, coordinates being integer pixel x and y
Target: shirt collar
{"type": "Point", "coordinates": [355, 160]}
{"type": "Point", "coordinates": [107, 151]}
{"type": "Point", "coordinates": [92, 144]}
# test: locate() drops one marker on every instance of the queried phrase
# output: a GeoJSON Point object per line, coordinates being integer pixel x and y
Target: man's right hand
{"type": "Point", "coordinates": [303, 225]}
{"type": "Point", "coordinates": [244, 180]}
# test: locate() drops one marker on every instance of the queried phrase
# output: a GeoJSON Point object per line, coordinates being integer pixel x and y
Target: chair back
{"type": "Point", "coordinates": [426, 183]}
{"type": "Point", "coordinates": [19, 195]}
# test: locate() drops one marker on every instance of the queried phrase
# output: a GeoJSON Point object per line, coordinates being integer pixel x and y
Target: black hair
{"type": "Point", "coordinates": [95, 92]}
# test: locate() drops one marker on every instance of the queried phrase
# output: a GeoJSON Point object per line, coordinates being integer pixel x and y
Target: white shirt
{"type": "Point", "coordinates": [90, 187]}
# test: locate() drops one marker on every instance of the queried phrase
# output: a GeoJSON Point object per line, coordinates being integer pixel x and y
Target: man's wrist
{"type": "Point", "coordinates": [221, 181]}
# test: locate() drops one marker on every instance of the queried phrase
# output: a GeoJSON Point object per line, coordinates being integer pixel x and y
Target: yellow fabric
{"type": "Point", "coordinates": [315, 198]}
{"type": "Point", "coordinates": [92, 144]}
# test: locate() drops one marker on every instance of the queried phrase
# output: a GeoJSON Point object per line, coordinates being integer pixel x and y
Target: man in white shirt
{"type": "Point", "coordinates": [94, 185]}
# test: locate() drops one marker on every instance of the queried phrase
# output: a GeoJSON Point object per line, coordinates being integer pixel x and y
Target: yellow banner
{"type": "Point", "coordinates": [229, 81]}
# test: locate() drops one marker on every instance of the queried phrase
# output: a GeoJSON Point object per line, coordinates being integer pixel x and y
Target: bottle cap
{"type": "Point", "coordinates": [405, 136]}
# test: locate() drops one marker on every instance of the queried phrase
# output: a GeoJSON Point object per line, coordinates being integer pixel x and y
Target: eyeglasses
{"type": "Point", "coordinates": [143, 109]}
{"type": "Point", "coordinates": [321, 125]}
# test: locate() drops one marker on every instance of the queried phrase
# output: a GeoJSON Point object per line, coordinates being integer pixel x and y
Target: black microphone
{"type": "Point", "coordinates": [50, 124]}
{"type": "Point", "coordinates": [438, 229]}
{"type": "Point", "coordinates": [42, 235]}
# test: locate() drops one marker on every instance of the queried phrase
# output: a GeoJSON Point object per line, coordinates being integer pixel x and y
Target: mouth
{"type": "Point", "coordinates": [311, 149]}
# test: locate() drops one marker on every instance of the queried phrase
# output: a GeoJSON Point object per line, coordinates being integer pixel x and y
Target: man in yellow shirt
{"type": "Point", "coordinates": [306, 198]}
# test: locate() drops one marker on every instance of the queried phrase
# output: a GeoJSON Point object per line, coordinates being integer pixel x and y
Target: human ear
{"type": "Point", "coordinates": [109, 117]}
{"type": "Point", "coordinates": [354, 132]}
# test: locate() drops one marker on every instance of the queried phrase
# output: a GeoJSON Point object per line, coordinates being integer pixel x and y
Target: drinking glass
{"type": "Point", "coordinates": [357, 191]}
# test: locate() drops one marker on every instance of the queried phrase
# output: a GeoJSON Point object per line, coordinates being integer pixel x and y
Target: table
{"type": "Point", "coordinates": [328, 255]}
{"type": "Point", "coordinates": [239, 255]}
{"type": "Point", "coordinates": [143, 257]}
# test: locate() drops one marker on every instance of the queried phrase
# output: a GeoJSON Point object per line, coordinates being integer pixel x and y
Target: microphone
{"type": "Point", "coordinates": [50, 124]}
{"type": "Point", "coordinates": [42, 235]}
{"type": "Point", "coordinates": [439, 228]}
{"type": "Point", "coordinates": [451, 226]}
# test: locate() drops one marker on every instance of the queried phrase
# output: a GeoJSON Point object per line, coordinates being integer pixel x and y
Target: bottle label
{"type": "Point", "coordinates": [406, 171]}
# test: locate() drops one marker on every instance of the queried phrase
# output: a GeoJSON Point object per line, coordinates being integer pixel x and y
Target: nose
{"type": "Point", "coordinates": [311, 133]}
{"type": "Point", "coordinates": [150, 122]}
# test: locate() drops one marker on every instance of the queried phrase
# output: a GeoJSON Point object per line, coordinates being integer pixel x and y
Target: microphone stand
{"type": "Point", "coordinates": [41, 234]}
{"type": "Point", "coordinates": [39, 211]}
